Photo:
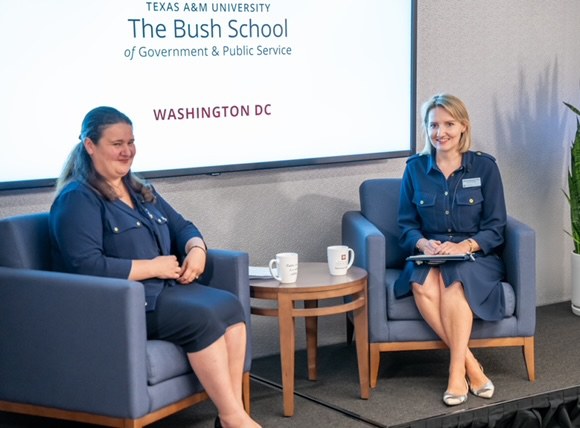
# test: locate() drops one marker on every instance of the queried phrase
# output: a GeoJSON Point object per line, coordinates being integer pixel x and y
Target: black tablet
{"type": "Point", "coordinates": [439, 258]}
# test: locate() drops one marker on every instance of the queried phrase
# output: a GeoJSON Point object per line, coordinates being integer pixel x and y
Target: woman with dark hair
{"type": "Point", "coordinates": [452, 202]}
{"type": "Point", "coordinates": [105, 221]}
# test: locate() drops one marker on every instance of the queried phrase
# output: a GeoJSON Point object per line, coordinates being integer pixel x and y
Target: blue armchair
{"type": "Point", "coordinates": [396, 324]}
{"type": "Point", "coordinates": [74, 346]}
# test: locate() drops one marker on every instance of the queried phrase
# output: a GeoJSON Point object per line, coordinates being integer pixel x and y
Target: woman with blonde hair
{"type": "Point", "coordinates": [452, 202]}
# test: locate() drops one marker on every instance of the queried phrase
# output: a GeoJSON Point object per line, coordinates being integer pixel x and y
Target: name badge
{"type": "Point", "coordinates": [471, 182]}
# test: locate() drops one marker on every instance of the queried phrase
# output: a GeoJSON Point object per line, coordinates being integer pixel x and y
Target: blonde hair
{"type": "Point", "coordinates": [458, 111]}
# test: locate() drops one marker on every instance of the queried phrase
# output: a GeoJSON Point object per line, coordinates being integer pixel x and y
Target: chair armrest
{"type": "Point", "coordinates": [229, 270]}
{"type": "Point", "coordinates": [73, 342]}
{"type": "Point", "coordinates": [368, 244]}
{"type": "Point", "coordinates": [519, 256]}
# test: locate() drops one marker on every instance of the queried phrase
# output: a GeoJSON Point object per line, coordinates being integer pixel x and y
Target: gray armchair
{"type": "Point", "coordinates": [74, 346]}
{"type": "Point", "coordinates": [396, 325]}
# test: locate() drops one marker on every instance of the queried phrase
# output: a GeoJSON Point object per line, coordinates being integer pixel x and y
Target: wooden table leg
{"type": "Point", "coordinates": [362, 347]}
{"type": "Point", "coordinates": [311, 340]}
{"type": "Point", "coordinates": [287, 349]}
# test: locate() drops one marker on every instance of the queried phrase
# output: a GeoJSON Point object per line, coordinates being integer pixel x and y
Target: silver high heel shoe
{"type": "Point", "coordinates": [486, 391]}
{"type": "Point", "coordinates": [454, 399]}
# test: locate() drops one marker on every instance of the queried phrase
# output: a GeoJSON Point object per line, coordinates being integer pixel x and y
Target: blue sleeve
{"type": "Point", "coordinates": [76, 228]}
{"type": "Point", "coordinates": [494, 216]}
{"type": "Point", "coordinates": [409, 219]}
{"type": "Point", "coordinates": [181, 230]}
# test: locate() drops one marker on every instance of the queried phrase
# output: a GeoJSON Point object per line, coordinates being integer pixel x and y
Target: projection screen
{"type": "Point", "coordinates": [211, 87]}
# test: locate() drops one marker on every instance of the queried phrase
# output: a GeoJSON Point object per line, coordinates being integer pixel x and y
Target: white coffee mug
{"type": "Point", "coordinates": [286, 267]}
{"type": "Point", "coordinates": [340, 259]}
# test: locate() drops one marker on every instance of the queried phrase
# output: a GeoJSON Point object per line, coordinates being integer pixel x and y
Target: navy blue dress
{"type": "Point", "coordinates": [93, 236]}
{"type": "Point", "coordinates": [468, 204]}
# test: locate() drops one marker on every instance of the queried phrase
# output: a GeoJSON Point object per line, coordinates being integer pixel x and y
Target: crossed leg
{"type": "Point", "coordinates": [447, 312]}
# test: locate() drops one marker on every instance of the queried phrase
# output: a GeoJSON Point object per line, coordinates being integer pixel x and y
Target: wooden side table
{"type": "Point", "coordinates": [315, 283]}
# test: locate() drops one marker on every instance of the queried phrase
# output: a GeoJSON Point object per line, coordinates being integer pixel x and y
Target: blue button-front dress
{"type": "Point", "coordinates": [468, 204]}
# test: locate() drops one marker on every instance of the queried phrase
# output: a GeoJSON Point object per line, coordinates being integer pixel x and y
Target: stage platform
{"type": "Point", "coordinates": [410, 387]}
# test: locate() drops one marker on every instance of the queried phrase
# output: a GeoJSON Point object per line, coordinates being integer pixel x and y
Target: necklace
{"type": "Point", "coordinates": [122, 193]}
{"type": "Point", "coordinates": [119, 189]}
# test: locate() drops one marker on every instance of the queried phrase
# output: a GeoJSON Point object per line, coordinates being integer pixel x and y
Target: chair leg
{"type": "Point", "coordinates": [349, 329]}
{"type": "Point", "coordinates": [529, 357]}
{"type": "Point", "coordinates": [246, 391]}
{"type": "Point", "coordinates": [375, 360]}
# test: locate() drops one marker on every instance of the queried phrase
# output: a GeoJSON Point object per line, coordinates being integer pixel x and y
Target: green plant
{"type": "Point", "coordinates": [573, 195]}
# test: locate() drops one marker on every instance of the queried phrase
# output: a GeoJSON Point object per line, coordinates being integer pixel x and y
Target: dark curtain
{"type": "Point", "coordinates": [557, 409]}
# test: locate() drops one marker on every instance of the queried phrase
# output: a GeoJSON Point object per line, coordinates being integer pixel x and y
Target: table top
{"type": "Point", "coordinates": [312, 276]}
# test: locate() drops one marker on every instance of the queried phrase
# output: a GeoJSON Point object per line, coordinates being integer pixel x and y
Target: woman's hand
{"type": "Point", "coordinates": [432, 247]}
{"type": "Point", "coordinates": [429, 246]}
{"type": "Point", "coordinates": [166, 267]}
{"type": "Point", "coordinates": [453, 248]}
{"type": "Point", "coordinates": [193, 266]}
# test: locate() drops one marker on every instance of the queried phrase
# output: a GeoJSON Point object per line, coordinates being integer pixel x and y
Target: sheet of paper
{"type": "Point", "coordinates": [257, 272]}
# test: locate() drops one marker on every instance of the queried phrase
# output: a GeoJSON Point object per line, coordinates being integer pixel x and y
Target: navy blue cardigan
{"type": "Point", "coordinates": [93, 236]}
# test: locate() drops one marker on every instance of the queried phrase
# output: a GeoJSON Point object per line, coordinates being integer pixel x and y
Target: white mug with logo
{"type": "Point", "coordinates": [286, 267]}
{"type": "Point", "coordinates": [340, 259]}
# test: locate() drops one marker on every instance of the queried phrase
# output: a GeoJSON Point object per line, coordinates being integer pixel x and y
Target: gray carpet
{"type": "Point", "coordinates": [410, 385]}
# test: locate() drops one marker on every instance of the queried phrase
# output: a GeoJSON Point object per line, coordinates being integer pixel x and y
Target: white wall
{"type": "Point", "coordinates": [513, 63]}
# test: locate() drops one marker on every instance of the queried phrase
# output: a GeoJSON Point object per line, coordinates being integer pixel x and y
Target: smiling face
{"type": "Point", "coordinates": [113, 154]}
{"type": "Point", "coordinates": [444, 130]}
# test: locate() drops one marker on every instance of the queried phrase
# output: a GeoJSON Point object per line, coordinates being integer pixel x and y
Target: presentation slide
{"type": "Point", "coordinates": [210, 86]}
